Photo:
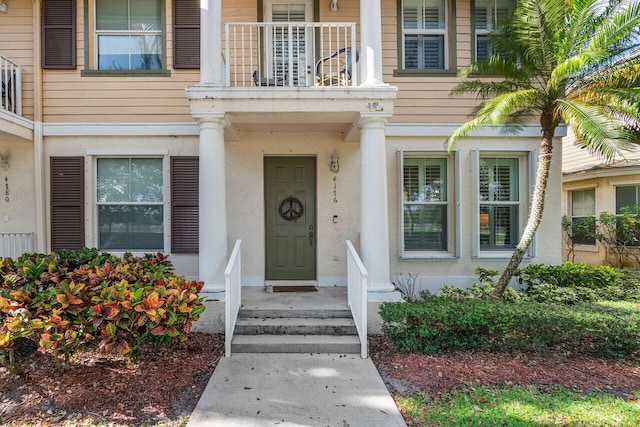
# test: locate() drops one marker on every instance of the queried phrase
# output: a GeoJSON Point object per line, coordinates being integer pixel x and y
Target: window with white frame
{"type": "Point", "coordinates": [487, 15]}
{"type": "Point", "coordinates": [128, 35]}
{"type": "Point", "coordinates": [499, 202]}
{"type": "Point", "coordinates": [129, 196]}
{"type": "Point", "coordinates": [424, 34]}
{"type": "Point", "coordinates": [627, 196]}
{"type": "Point", "coordinates": [583, 221]}
{"type": "Point", "coordinates": [427, 216]}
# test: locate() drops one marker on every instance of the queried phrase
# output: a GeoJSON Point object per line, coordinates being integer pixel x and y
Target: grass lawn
{"type": "Point", "coordinates": [520, 406]}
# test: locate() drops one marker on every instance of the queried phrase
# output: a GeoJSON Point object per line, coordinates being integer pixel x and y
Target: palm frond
{"type": "Point", "coordinates": [595, 129]}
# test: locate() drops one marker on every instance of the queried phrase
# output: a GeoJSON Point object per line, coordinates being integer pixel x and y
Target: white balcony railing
{"type": "Point", "coordinates": [11, 82]}
{"type": "Point", "coordinates": [291, 54]}
{"type": "Point", "coordinates": [233, 295]}
{"type": "Point", "coordinates": [357, 295]}
{"type": "Point", "coordinates": [12, 245]}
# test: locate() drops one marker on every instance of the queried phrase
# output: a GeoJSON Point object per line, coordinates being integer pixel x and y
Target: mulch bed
{"type": "Point", "coordinates": [406, 373]}
{"type": "Point", "coordinates": [163, 386]}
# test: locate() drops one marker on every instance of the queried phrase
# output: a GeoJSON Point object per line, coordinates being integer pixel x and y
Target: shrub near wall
{"type": "Point", "coordinates": [68, 299]}
{"type": "Point", "coordinates": [439, 323]}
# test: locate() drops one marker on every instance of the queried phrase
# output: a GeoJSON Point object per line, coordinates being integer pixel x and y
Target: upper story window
{"type": "Point", "coordinates": [428, 217]}
{"type": "Point", "coordinates": [424, 34]}
{"type": "Point", "coordinates": [583, 211]}
{"type": "Point", "coordinates": [128, 35]}
{"type": "Point", "coordinates": [129, 196]}
{"type": "Point", "coordinates": [487, 15]}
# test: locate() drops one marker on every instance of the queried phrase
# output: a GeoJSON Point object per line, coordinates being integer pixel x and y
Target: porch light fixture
{"type": "Point", "coordinates": [335, 163]}
{"type": "Point", "coordinates": [3, 7]}
{"type": "Point", "coordinates": [333, 7]}
{"type": "Point", "coordinates": [4, 161]}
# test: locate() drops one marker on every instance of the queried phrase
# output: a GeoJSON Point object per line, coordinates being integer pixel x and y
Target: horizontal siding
{"type": "Point", "coordinates": [16, 43]}
{"type": "Point", "coordinates": [68, 97]}
{"type": "Point", "coordinates": [576, 158]}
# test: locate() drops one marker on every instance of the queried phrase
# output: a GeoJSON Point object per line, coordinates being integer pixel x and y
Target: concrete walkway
{"type": "Point", "coordinates": [255, 390]}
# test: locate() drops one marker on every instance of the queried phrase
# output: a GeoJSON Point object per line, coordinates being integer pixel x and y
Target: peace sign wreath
{"type": "Point", "coordinates": [290, 209]}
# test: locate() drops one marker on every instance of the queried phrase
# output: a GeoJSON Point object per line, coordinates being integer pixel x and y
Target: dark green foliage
{"type": "Point", "coordinates": [441, 323]}
{"type": "Point", "coordinates": [571, 283]}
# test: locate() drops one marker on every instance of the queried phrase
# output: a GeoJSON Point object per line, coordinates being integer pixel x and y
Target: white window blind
{"type": "Point", "coordinates": [280, 46]}
{"type": "Point", "coordinates": [424, 34]}
{"type": "Point", "coordinates": [487, 15]}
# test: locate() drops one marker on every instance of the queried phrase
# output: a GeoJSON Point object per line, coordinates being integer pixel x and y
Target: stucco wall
{"type": "Point", "coordinates": [92, 147]}
{"type": "Point", "coordinates": [605, 197]}
{"type": "Point", "coordinates": [19, 210]}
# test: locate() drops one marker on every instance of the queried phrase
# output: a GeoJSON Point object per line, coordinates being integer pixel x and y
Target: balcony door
{"type": "Point", "coordinates": [289, 47]}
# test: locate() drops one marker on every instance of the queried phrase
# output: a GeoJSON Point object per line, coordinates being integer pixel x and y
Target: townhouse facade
{"type": "Point", "coordinates": [182, 126]}
{"type": "Point", "coordinates": [592, 186]}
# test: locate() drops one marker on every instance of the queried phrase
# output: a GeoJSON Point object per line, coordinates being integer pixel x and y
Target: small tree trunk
{"type": "Point", "coordinates": [537, 207]}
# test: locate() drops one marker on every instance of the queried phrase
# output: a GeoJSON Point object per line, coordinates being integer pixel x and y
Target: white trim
{"type": "Point", "coordinates": [16, 119]}
{"type": "Point", "coordinates": [568, 177]}
{"type": "Point", "coordinates": [446, 129]}
{"type": "Point", "coordinates": [525, 160]}
{"type": "Point", "coordinates": [624, 183]}
{"type": "Point", "coordinates": [120, 129]}
{"type": "Point", "coordinates": [452, 203]}
{"type": "Point", "coordinates": [128, 153]}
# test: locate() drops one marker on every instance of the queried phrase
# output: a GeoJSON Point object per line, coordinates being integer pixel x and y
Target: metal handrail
{"type": "Point", "coordinates": [357, 295]}
{"type": "Point", "coordinates": [233, 295]}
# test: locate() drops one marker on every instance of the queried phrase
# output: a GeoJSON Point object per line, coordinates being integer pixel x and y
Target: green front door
{"type": "Point", "coordinates": [290, 218]}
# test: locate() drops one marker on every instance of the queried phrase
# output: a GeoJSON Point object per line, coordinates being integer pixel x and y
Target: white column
{"type": "Point", "coordinates": [211, 42]}
{"type": "Point", "coordinates": [374, 209]}
{"type": "Point", "coordinates": [213, 204]}
{"type": "Point", "coordinates": [371, 43]}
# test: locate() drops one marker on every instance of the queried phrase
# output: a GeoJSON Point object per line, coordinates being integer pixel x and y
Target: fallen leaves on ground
{"type": "Point", "coordinates": [161, 386]}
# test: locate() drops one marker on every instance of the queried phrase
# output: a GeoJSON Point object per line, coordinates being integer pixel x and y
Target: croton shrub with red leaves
{"type": "Point", "coordinates": [70, 299]}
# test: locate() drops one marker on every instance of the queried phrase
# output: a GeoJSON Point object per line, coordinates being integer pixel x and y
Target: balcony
{"type": "Point", "coordinates": [291, 54]}
{"type": "Point", "coordinates": [13, 127]}
{"type": "Point", "coordinates": [290, 77]}
{"type": "Point", "coordinates": [11, 99]}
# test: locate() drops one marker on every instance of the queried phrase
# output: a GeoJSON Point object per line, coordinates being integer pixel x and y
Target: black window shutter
{"type": "Point", "coordinates": [67, 203]}
{"type": "Point", "coordinates": [184, 204]}
{"type": "Point", "coordinates": [186, 33]}
{"type": "Point", "coordinates": [59, 34]}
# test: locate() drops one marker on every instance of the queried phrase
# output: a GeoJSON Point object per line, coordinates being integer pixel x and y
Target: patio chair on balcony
{"type": "Point", "coordinates": [269, 81]}
{"type": "Point", "coordinates": [335, 69]}
{"type": "Point", "coordinates": [7, 96]}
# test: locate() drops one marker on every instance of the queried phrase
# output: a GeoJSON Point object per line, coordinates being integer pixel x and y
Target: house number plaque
{"type": "Point", "coordinates": [6, 189]}
{"type": "Point", "coordinates": [335, 189]}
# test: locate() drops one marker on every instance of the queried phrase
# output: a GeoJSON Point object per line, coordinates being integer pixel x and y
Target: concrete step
{"type": "Point", "coordinates": [341, 344]}
{"type": "Point", "coordinates": [294, 313]}
{"type": "Point", "coordinates": [295, 326]}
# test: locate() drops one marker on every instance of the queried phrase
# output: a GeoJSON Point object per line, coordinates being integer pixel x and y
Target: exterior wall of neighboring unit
{"type": "Point", "coordinates": [583, 171]}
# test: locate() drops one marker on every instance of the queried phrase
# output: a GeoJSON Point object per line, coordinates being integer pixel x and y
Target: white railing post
{"type": "Point", "coordinates": [273, 56]}
{"type": "Point", "coordinates": [12, 245]}
{"type": "Point", "coordinates": [357, 295]}
{"type": "Point", "coordinates": [11, 86]}
{"type": "Point", "coordinates": [233, 295]}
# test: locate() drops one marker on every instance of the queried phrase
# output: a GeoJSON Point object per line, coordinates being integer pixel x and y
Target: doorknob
{"type": "Point", "coordinates": [311, 235]}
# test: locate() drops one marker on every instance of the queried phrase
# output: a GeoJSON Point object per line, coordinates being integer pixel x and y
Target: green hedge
{"type": "Point", "coordinates": [571, 283]}
{"type": "Point", "coordinates": [610, 329]}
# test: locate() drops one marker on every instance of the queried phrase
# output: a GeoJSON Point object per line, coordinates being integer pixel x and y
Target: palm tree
{"type": "Point", "coordinates": [559, 61]}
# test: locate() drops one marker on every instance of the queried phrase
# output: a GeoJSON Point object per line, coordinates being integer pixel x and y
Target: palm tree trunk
{"type": "Point", "coordinates": [537, 207]}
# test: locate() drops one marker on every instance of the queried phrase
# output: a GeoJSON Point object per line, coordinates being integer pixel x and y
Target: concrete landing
{"type": "Point", "coordinates": [256, 390]}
